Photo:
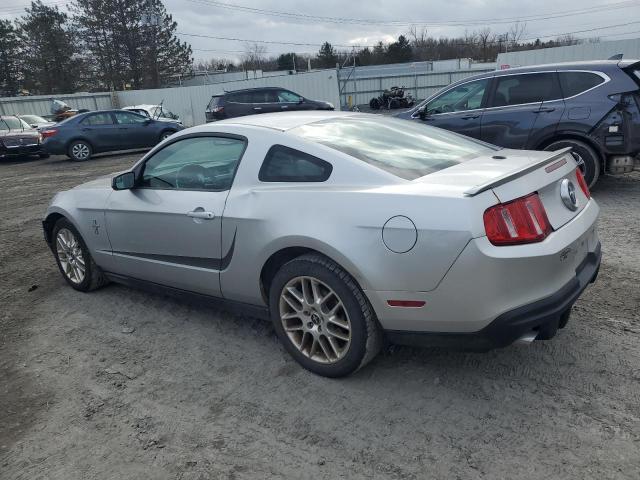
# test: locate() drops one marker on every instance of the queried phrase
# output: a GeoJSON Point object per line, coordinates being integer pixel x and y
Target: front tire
{"type": "Point", "coordinates": [322, 317]}
{"type": "Point", "coordinates": [587, 158]}
{"type": "Point", "coordinates": [79, 151]}
{"type": "Point", "coordinates": [73, 258]}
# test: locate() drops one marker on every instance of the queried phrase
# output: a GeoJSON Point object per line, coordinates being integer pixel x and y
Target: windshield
{"type": "Point", "coordinates": [11, 123]}
{"type": "Point", "coordinates": [405, 149]}
{"type": "Point", "coordinates": [33, 119]}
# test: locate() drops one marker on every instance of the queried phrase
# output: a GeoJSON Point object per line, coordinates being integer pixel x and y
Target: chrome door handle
{"type": "Point", "coordinates": [545, 109]}
{"type": "Point", "coordinates": [201, 214]}
{"type": "Point", "coordinates": [257, 108]}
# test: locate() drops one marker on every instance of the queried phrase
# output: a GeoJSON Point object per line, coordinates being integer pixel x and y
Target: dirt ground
{"type": "Point", "coordinates": [123, 384]}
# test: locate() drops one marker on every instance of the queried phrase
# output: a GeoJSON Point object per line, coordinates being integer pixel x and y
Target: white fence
{"type": "Point", "coordinates": [587, 51]}
{"type": "Point", "coordinates": [190, 102]}
{"type": "Point", "coordinates": [41, 104]}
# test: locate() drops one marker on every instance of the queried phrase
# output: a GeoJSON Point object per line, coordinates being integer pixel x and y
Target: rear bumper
{"type": "Point", "coordinates": [541, 315]}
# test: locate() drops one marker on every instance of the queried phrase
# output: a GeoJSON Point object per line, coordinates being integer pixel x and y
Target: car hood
{"type": "Point", "coordinates": [98, 183]}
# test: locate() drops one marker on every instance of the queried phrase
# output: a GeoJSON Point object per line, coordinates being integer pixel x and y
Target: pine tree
{"type": "Point", "coordinates": [327, 57]}
{"type": "Point", "coordinates": [9, 59]}
{"type": "Point", "coordinates": [50, 63]}
{"type": "Point", "coordinates": [132, 42]}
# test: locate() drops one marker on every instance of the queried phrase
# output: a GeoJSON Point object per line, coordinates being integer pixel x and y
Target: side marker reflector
{"type": "Point", "coordinates": [406, 303]}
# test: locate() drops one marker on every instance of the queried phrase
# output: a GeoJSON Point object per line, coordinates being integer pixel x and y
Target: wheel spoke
{"type": "Point", "coordinates": [306, 294]}
{"type": "Point", "coordinates": [315, 289]}
{"type": "Point", "coordinates": [339, 335]}
{"type": "Point", "coordinates": [324, 348]}
{"type": "Point", "coordinates": [314, 346]}
{"type": "Point", "coordinates": [339, 322]}
{"type": "Point", "coordinates": [296, 294]}
{"type": "Point", "coordinates": [333, 346]}
{"type": "Point", "coordinates": [292, 303]}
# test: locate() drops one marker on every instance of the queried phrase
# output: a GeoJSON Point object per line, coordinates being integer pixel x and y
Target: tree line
{"type": "Point", "coordinates": [99, 45]}
{"type": "Point", "coordinates": [416, 45]}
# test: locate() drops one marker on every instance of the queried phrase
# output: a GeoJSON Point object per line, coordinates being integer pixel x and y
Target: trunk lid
{"type": "Point", "coordinates": [511, 174]}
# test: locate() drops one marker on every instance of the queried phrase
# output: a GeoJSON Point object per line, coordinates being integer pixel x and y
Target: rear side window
{"type": "Point", "coordinates": [528, 88]}
{"type": "Point", "coordinates": [574, 83]}
{"type": "Point", "coordinates": [284, 164]}
{"type": "Point", "coordinates": [98, 119]}
{"type": "Point", "coordinates": [215, 101]}
{"type": "Point", "coordinates": [242, 97]}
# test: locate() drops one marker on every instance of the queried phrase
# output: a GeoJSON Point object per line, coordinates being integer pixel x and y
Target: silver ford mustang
{"type": "Point", "coordinates": [345, 229]}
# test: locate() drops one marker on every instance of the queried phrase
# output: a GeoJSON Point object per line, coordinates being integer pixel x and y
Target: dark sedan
{"type": "Point", "coordinates": [84, 134]}
{"type": "Point", "coordinates": [18, 139]}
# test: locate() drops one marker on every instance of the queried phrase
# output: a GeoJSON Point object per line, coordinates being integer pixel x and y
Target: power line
{"type": "Point", "coordinates": [360, 21]}
{"type": "Point", "coordinates": [303, 44]}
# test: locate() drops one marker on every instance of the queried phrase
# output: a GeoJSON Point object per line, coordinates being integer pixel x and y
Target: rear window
{"type": "Point", "coordinates": [405, 149]}
{"type": "Point", "coordinates": [573, 83]}
{"type": "Point", "coordinates": [215, 101]}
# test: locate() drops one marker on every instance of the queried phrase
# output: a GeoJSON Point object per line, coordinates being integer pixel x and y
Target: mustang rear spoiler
{"type": "Point", "coordinates": [507, 177]}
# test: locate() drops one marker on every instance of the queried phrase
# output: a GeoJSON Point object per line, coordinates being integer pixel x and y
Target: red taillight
{"type": "Point", "coordinates": [49, 132]}
{"type": "Point", "coordinates": [522, 220]}
{"type": "Point", "coordinates": [583, 183]}
{"type": "Point", "coordinates": [217, 109]}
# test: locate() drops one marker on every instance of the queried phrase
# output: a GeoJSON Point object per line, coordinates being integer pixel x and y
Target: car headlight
{"type": "Point", "coordinates": [331, 105]}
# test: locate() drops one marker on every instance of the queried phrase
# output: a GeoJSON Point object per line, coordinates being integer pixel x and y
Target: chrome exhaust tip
{"type": "Point", "coordinates": [527, 338]}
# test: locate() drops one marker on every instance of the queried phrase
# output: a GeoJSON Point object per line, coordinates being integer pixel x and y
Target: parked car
{"type": "Point", "coordinates": [17, 138]}
{"type": "Point", "coordinates": [592, 107]}
{"type": "Point", "coordinates": [259, 100]}
{"type": "Point", "coordinates": [36, 121]}
{"type": "Point", "coordinates": [156, 112]}
{"type": "Point", "coordinates": [84, 134]}
{"type": "Point", "coordinates": [344, 228]}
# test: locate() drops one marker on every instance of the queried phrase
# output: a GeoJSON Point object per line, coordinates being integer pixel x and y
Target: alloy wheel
{"type": "Point", "coordinates": [315, 319]}
{"type": "Point", "coordinates": [80, 151]}
{"type": "Point", "coordinates": [70, 256]}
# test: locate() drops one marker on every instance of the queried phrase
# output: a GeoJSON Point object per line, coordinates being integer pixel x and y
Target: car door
{"type": "Point", "coordinates": [265, 101]}
{"type": "Point", "coordinates": [237, 104]}
{"type": "Point", "coordinates": [458, 109]}
{"type": "Point", "coordinates": [521, 108]}
{"type": "Point", "coordinates": [135, 130]}
{"type": "Point", "coordinates": [291, 101]}
{"type": "Point", "coordinates": [101, 131]}
{"type": "Point", "coordinates": [167, 229]}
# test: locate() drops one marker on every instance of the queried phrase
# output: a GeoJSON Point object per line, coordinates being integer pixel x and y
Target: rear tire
{"type": "Point", "coordinates": [73, 258]}
{"type": "Point", "coordinates": [333, 337]}
{"type": "Point", "coordinates": [79, 151]}
{"type": "Point", "coordinates": [43, 155]}
{"type": "Point", "coordinates": [587, 158]}
{"type": "Point", "coordinates": [374, 104]}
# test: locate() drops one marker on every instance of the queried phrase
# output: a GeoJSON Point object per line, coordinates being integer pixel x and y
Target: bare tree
{"type": "Point", "coordinates": [486, 38]}
{"type": "Point", "coordinates": [420, 42]}
{"type": "Point", "coordinates": [516, 32]}
{"type": "Point", "coordinates": [254, 56]}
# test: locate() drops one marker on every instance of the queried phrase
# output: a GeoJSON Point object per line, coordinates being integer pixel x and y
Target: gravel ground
{"type": "Point", "coordinates": [120, 383]}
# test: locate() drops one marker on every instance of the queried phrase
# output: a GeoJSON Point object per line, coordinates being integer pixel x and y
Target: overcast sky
{"type": "Point", "coordinates": [383, 20]}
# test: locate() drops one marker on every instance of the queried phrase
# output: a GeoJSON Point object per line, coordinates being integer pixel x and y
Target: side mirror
{"type": "Point", "coordinates": [148, 121]}
{"type": "Point", "coordinates": [301, 100]}
{"type": "Point", "coordinates": [422, 112]}
{"type": "Point", "coordinates": [124, 181]}
{"type": "Point", "coordinates": [34, 125]}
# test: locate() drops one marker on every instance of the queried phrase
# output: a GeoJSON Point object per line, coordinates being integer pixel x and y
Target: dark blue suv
{"type": "Point", "coordinates": [593, 107]}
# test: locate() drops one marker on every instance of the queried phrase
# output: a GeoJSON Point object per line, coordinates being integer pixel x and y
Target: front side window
{"type": "Point", "coordinates": [198, 163]}
{"type": "Point", "coordinates": [126, 118]}
{"type": "Point", "coordinates": [284, 96]}
{"type": "Point", "coordinates": [467, 96]}
{"type": "Point", "coordinates": [527, 88]}
{"type": "Point", "coordinates": [574, 83]}
{"type": "Point", "coordinates": [406, 149]}
{"type": "Point", "coordinates": [98, 119]}
{"type": "Point", "coordinates": [284, 164]}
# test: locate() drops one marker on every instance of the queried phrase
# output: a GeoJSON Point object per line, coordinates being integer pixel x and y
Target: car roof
{"type": "Point", "coordinates": [247, 90]}
{"type": "Point", "coordinates": [284, 121]}
{"type": "Point", "coordinates": [141, 107]}
{"type": "Point", "coordinates": [578, 65]}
